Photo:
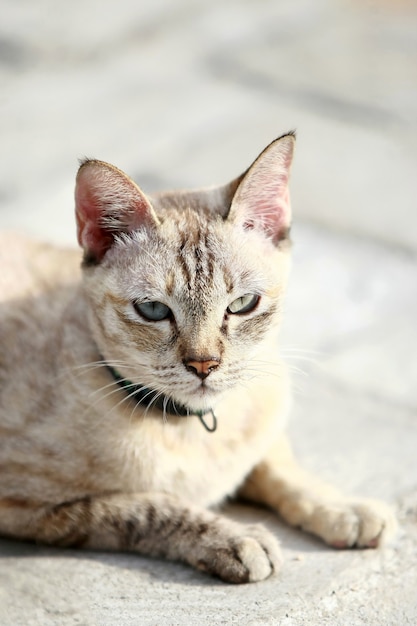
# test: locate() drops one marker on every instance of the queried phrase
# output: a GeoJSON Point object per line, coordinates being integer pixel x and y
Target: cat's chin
{"type": "Point", "coordinates": [201, 399]}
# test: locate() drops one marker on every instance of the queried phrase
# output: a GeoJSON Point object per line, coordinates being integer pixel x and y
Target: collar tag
{"type": "Point", "coordinates": [213, 426]}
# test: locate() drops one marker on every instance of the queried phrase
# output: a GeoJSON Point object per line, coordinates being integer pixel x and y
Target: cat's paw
{"type": "Point", "coordinates": [353, 523]}
{"type": "Point", "coordinates": [250, 555]}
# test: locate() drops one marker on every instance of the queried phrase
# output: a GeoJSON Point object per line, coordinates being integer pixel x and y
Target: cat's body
{"type": "Point", "coordinates": [181, 294]}
{"type": "Point", "coordinates": [86, 445]}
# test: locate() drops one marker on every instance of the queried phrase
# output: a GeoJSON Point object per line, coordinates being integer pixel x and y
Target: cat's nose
{"type": "Point", "coordinates": [201, 367]}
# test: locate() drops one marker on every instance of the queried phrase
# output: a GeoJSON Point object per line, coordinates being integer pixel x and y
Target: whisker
{"type": "Point", "coordinates": [79, 370]}
{"type": "Point", "coordinates": [164, 412]}
{"type": "Point", "coordinates": [128, 397]}
{"type": "Point", "coordinates": [297, 357]}
{"type": "Point", "coordinates": [120, 380]}
{"type": "Point", "coordinates": [117, 388]}
{"type": "Point", "coordinates": [149, 405]}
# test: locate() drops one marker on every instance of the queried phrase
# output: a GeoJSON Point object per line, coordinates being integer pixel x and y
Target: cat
{"type": "Point", "coordinates": [140, 385]}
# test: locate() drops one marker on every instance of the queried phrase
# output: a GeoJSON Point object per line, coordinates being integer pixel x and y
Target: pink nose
{"type": "Point", "coordinates": [201, 368]}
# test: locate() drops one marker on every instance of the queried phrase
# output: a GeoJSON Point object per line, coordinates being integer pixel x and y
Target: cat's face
{"type": "Point", "coordinates": [195, 289]}
{"type": "Point", "coordinates": [185, 302]}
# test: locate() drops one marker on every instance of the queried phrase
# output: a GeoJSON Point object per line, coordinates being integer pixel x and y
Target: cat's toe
{"type": "Point", "coordinates": [362, 524]}
{"type": "Point", "coordinates": [377, 523]}
{"type": "Point", "coordinates": [259, 554]}
{"type": "Point", "coordinates": [269, 544]}
{"type": "Point", "coordinates": [254, 558]}
{"type": "Point", "coordinates": [251, 557]}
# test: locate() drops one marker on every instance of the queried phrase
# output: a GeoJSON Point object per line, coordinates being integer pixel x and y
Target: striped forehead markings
{"type": "Point", "coordinates": [196, 258]}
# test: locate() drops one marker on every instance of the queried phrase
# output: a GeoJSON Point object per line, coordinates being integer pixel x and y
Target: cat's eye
{"type": "Point", "coordinates": [153, 311]}
{"type": "Point", "coordinates": [244, 304]}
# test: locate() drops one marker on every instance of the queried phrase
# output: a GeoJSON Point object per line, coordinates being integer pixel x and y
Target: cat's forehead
{"type": "Point", "coordinates": [191, 254]}
{"type": "Point", "coordinates": [195, 247]}
{"type": "Point", "coordinates": [186, 233]}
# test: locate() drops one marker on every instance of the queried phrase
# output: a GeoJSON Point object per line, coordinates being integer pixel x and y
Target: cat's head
{"type": "Point", "coordinates": [185, 289]}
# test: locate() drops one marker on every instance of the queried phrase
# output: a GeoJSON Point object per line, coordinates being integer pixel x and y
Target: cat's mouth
{"type": "Point", "coordinates": [201, 397]}
{"type": "Point", "coordinates": [203, 387]}
{"type": "Point", "coordinates": [205, 390]}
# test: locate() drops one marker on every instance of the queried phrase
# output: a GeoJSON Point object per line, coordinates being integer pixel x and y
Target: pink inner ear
{"type": "Point", "coordinates": [262, 200]}
{"type": "Point", "coordinates": [90, 234]}
{"type": "Point", "coordinates": [269, 209]}
{"type": "Point", "coordinates": [107, 202]}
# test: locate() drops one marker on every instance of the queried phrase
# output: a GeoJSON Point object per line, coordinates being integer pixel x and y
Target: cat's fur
{"type": "Point", "coordinates": [81, 464]}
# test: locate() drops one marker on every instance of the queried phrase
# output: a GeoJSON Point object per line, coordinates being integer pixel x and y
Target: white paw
{"type": "Point", "coordinates": [353, 523]}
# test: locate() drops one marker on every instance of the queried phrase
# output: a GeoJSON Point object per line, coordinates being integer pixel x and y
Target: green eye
{"type": "Point", "coordinates": [153, 311]}
{"type": "Point", "coordinates": [244, 304]}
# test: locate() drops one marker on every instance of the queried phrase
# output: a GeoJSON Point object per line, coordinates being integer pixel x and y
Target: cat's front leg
{"type": "Point", "coordinates": [155, 525]}
{"type": "Point", "coordinates": [306, 502]}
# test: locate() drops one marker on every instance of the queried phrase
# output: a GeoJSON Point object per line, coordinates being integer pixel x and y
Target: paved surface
{"type": "Point", "coordinates": [187, 93]}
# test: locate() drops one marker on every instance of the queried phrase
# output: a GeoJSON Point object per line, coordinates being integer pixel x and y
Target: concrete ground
{"type": "Point", "coordinates": [187, 94]}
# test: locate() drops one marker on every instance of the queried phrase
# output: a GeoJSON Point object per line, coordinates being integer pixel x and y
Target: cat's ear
{"type": "Point", "coordinates": [262, 199]}
{"type": "Point", "coordinates": [107, 202]}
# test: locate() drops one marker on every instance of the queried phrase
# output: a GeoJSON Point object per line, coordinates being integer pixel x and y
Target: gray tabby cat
{"type": "Point", "coordinates": [145, 389]}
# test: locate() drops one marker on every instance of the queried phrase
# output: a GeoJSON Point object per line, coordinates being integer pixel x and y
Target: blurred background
{"type": "Point", "coordinates": [187, 92]}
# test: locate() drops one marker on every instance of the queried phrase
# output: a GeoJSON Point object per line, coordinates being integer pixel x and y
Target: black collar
{"type": "Point", "coordinates": [151, 398]}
